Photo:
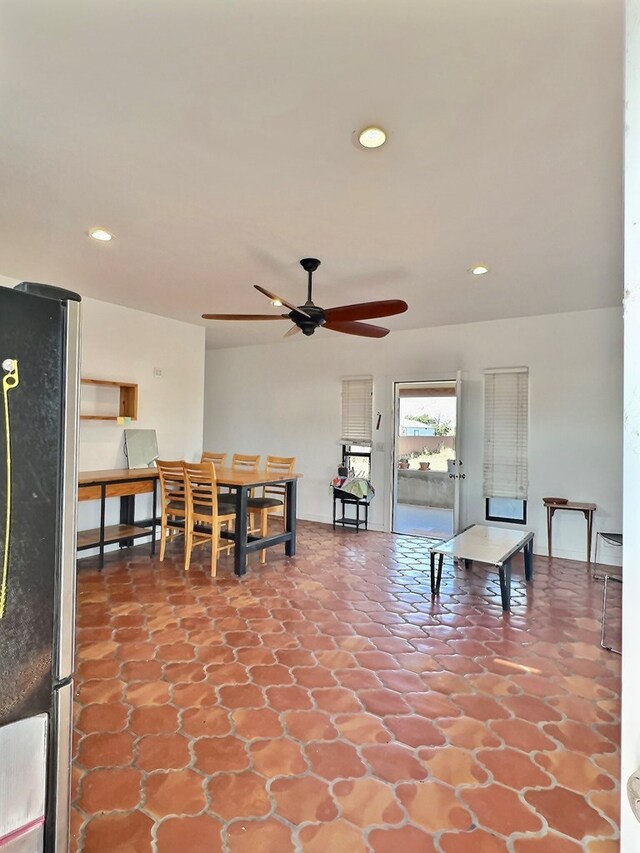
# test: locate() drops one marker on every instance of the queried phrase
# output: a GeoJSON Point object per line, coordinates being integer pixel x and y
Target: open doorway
{"type": "Point", "coordinates": [425, 481]}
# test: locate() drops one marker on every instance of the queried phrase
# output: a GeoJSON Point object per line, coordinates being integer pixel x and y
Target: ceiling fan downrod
{"type": "Point", "coordinates": [310, 265]}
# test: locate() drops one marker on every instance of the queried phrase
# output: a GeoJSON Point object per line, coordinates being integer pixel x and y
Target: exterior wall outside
{"type": "Point", "coordinates": [284, 399]}
{"type": "Point", "coordinates": [416, 443]}
{"type": "Point", "coordinates": [425, 488]}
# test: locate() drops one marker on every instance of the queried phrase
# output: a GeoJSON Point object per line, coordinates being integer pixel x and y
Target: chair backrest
{"type": "Point", "coordinates": [280, 465]}
{"type": "Point", "coordinates": [216, 458]}
{"type": "Point", "coordinates": [245, 463]}
{"type": "Point", "coordinates": [172, 484]}
{"type": "Point", "coordinates": [201, 489]}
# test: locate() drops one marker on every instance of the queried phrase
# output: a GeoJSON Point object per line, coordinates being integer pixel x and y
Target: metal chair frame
{"type": "Point", "coordinates": [603, 643]}
{"type": "Point", "coordinates": [610, 539]}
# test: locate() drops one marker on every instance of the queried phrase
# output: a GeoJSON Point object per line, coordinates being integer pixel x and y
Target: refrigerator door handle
{"type": "Point", "coordinates": [63, 666]}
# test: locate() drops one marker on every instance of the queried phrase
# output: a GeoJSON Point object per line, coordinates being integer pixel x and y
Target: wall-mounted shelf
{"type": "Point", "coordinates": [117, 400]}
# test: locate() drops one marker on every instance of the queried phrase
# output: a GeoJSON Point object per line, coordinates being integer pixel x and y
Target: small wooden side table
{"type": "Point", "coordinates": [572, 506]}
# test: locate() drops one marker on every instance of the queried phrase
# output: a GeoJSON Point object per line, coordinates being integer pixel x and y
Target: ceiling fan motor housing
{"type": "Point", "coordinates": [309, 324]}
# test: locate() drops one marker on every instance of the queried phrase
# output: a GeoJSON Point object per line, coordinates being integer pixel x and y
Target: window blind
{"type": "Point", "coordinates": [506, 433]}
{"type": "Point", "coordinates": [357, 411]}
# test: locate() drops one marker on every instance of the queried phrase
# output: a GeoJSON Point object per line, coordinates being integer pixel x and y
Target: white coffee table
{"type": "Point", "coordinates": [485, 544]}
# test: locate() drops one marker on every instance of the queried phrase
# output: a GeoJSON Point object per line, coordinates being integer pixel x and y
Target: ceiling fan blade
{"type": "Point", "coordinates": [275, 298]}
{"type": "Point", "coordinates": [366, 310]}
{"type": "Point", "coordinates": [245, 316]}
{"type": "Point", "coordinates": [292, 331]}
{"type": "Point", "coordinates": [365, 330]}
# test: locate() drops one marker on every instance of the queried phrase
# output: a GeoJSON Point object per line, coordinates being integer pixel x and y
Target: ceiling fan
{"type": "Point", "coordinates": [308, 317]}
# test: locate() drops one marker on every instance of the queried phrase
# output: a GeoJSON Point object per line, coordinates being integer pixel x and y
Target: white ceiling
{"type": "Point", "coordinates": [214, 139]}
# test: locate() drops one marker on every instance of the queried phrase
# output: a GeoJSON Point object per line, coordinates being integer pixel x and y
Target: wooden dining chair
{"type": "Point", "coordinates": [217, 458]}
{"type": "Point", "coordinates": [242, 462]}
{"type": "Point", "coordinates": [204, 520]}
{"type": "Point", "coordinates": [173, 501]}
{"type": "Point", "coordinates": [273, 500]}
{"type": "Point", "coordinates": [218, 462]}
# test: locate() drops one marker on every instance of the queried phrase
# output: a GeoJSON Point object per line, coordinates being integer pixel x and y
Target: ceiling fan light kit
{"type": "Point", "coordinates": [309, 317]}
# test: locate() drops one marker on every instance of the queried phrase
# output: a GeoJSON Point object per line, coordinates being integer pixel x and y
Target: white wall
{"type": "Point", "coordinates": [631, 527]}
{"type": "Point", "coordinates": [127, 345]}
{"type": "Point", "coordinates": [284, 399]}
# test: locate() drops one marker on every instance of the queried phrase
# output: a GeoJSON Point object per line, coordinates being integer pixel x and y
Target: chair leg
{"type": "Point", "coordinates": [603, 642]}
{"type": "Point", "coordinates": [594, 573]}
{"type": "Point", "coordinates": [227, 548]}
{"type": "Point", "coordinates": [188, 546]}
{"type": "Point", "coordinates": [163, 537]}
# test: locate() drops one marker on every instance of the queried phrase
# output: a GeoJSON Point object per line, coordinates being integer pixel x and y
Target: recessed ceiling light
{"type": "Point", "coordinates": [276, 302]}
{"type": "Point", "coordinates": [480, 270]}
{"type": "Point", "coordinates": [100, 234]}
{"type": "Point", "coordinates": [372, 137]}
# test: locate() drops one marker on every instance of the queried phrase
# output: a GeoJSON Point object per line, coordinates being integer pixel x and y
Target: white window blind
{"type": "Point", "coordinates": [506, 433]}
{"type": "Point", "coordinates": [357, 411]}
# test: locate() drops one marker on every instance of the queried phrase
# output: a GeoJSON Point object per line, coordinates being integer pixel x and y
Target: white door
{"type": "Point", "coordinates": [459, 476]}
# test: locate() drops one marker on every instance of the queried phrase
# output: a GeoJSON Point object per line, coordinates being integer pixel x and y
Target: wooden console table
{"type": "Point", "coordinates": [586, 509]}
{"type": "Point", "coordinates": [125, 484]}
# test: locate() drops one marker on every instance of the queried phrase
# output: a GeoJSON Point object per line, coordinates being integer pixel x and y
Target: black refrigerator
{"type": "Point", "coordinates": [39, 374]}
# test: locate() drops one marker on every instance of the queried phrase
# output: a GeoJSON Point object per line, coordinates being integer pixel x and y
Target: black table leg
{"type": "Point", "coordinates": [505, 584]}
{"type": "Point", "coordinates": [241, 531]}
{"type": "Point", "coordinates": [153, 517]}
{"type": "Point", "coordinates": [103, 501]}
{"type": "Point", "coordinates": [433, 573]}
{"type": "Point", "coordinates": [528, 560]}
{"type": "Point", "coordinates": [290, 517]}
{"type": "Point", "coordinates": [468, 564]}
{"type": "Point", "coordinates": [127, 516]}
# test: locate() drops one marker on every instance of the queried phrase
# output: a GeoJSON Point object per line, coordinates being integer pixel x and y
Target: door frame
{"type": "Point", "coordinates": [454, 378]}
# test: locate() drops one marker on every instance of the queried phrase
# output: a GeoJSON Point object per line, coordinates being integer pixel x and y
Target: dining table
{"type": "Point", "coordinates": [242, 483]}
{"type": "Point", "coordinates": [127, 483]}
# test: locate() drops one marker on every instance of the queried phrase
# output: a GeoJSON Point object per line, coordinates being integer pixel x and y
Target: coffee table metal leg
{"type": "Point", "coordinates": [433, 573]}
{"type": "Point", "coordinates": [528, 560]}
{"type": "Point", "coordinates": [505, 584]}
{"type": "Point", "coordinates": [440, 561]}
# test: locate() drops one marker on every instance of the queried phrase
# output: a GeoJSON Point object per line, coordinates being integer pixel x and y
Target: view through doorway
{"type": "Point", "coordinates": [425, 482]}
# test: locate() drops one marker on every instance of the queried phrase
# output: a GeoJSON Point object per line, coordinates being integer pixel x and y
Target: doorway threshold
{"type": "Point", "coordinates": [427, 521]}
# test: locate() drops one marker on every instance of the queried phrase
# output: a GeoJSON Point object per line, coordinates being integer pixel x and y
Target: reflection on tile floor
{"type": "Point", "coordinates": [325, 704]}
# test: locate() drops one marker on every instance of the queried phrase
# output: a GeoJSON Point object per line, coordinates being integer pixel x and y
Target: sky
{"type": "Point", "coordinates": [438, 407]}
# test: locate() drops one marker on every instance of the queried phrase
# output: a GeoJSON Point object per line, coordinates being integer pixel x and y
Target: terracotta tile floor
{"type": "Point", "coordinates": [324, 704]}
